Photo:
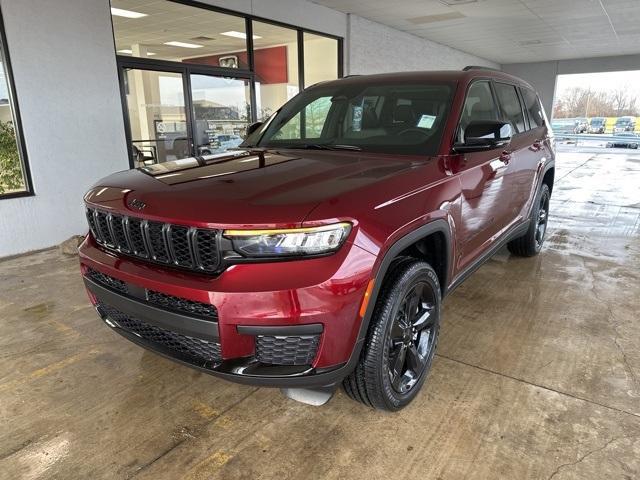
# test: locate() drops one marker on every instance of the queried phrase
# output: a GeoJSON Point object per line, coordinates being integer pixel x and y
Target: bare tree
{"type": "Point", "coordinates": [581, 102]}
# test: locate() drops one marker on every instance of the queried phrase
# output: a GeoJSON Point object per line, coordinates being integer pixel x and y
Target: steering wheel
{"type": "Point", "coordinates": [421, 131]}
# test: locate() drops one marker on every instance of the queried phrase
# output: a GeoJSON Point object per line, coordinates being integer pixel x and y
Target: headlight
{"type": "Point", "coordinates": [289, 242]}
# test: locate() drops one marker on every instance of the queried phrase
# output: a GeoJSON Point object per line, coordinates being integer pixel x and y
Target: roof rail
{"type": "Point", "coordinates": [479, 67]}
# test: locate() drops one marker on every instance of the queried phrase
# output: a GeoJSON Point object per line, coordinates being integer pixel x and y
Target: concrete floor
{"type": "Point", "coordinates": [537, 374]}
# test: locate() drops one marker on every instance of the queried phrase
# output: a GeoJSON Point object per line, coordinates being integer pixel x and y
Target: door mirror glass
{"type": "Point", "coordinates": [485, 135]}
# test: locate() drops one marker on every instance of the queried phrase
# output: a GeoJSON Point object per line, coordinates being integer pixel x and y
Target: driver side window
{"type": "Point", "coordinates": [479, 105]}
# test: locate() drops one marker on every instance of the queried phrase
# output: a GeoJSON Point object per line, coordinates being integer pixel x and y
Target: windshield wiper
{"type": "Point", "coordinates": [322, 146]}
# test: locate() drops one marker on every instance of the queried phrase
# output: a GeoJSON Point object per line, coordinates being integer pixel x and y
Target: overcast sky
{"type": "Point", "coordinates": [599, 81]}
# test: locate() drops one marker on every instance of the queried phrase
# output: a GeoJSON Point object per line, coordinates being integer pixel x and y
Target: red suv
{"type": "Point", "coordinates": [319, 252]}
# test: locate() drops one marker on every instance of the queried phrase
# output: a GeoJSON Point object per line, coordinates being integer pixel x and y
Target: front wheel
{"type": "Point", "coordinates": [531, 242]}
{"type": "Point", "coordinates": [402, 338]}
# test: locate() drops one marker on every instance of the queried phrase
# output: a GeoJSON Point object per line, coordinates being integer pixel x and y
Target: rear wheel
{"type": "Point", "coordinates": [402, 338]}
{"type": "Point", "coordinates": [531, 242]}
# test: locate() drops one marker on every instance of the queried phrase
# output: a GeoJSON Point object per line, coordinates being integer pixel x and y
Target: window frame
{"type": "Point", "coordinates": [538, 103]}
{"type": "Point", "coordinates": [525, 118]}
{"type": "Point", "coordinates": [17, 120]}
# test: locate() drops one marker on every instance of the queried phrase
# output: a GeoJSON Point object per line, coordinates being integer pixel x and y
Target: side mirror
{"type": "Point", "coordinates": [253, 127]}
{"type": "Point", "coordinates": [485, 135]}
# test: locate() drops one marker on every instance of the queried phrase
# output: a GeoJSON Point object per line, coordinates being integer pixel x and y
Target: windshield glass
{"type": "Point", "coordinates": [394, 118]}
{"type": "Point", "coordinates": [597, 121]}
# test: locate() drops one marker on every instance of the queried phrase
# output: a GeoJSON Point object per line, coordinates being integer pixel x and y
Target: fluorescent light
{"type": "Point", "coordinates": [183, 44]}
{"type": "Point", "coordinates": [128, 51]}
{"type": "Point", "coordinates": [119, 12]}
{"type": "Point", "coordinates": [233, 33]}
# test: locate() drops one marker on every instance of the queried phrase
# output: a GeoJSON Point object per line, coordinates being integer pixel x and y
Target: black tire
{"type": "Point", "coordinates": [531, 242]}
{"type": "Point", "coordinates": [410, 291]}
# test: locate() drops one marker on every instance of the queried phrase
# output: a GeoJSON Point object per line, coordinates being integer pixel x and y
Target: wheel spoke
{"type": "Point", "coordinates": [426, 318]}
{"type": "Point", "coordinates": [412, 303]}
{"type": "Point", "coordinates": [397, 364]}
{"type": "Point", "coordinates": [415, 361]}
{"type": "Point", "coordinates": [396, 330]}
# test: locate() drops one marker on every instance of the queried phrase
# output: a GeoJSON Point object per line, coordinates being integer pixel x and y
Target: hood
{"type": "Point", "coordinates": [244, 188]}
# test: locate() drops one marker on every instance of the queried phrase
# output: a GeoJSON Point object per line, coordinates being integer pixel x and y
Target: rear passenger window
{"type": "Point", "coordinates": [510, 104]}
{"type": "Point", "coordinates": [533, 108]}
{"type": "Point", "coordinates": [478, 106]}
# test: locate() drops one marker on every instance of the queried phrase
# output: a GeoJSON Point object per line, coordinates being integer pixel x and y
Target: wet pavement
{"type": "Point", "coordinates": [537, 373]}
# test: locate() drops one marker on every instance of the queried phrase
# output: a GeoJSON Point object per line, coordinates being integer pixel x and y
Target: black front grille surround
{"type": "Point", "coordinates": [196, 249]}
{"type": "Point", "coordinates": [197, 351]}
{"type": "Point", "coordinates": [287, 349]}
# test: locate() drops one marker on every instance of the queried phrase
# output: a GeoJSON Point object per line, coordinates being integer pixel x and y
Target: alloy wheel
{"type": "Point", "coordinates": [543, 217]}
{"type": "Point", "coordinates": [412, 338]}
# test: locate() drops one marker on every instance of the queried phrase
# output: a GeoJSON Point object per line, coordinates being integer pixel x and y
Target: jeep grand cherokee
{"type": "Point", "coordinates": [319, 252]}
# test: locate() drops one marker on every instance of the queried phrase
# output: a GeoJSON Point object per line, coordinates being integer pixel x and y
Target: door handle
{"type": "Point", "coordinates": [538, 145]}
{"type": "Point", "coordinates": [505, 157]}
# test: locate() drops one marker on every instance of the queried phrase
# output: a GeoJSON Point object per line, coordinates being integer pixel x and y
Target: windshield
{"type": "Point", "coordinates": [395, 118]}
{"type": "Point", "coordinates": [597, 121]}
{"type": "Point", "coordinates": [623, 121]}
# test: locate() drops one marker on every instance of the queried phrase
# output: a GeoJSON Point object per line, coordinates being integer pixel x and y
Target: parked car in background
{"type": "Point", "coordinates": [581, 126]}
{"type": "Point", "coordinates": [624, 140]}
{"type": "Point", "coordinates": [308, 258]}
{"type": "Point", "coordinates": [563, 126]}
{"type": "Point", "coordinates": [625, 124]}
{"type": "Point", "coordinates": [226, 141]}
{"type": "Point", "coordinates": [597, 125]}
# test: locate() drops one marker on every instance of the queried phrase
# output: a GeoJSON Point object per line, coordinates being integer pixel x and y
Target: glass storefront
{"type": "Point", "coordinates": [193, 80]}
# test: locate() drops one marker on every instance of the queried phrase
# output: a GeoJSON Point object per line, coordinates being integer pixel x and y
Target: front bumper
{"type": "Point", "coordinates": [285, 324]}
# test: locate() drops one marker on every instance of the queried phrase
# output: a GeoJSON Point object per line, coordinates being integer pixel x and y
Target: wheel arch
{"type": "Point", "coordinates": [416, 243]}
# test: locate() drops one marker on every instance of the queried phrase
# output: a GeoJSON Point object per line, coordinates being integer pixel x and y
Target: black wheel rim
{"type": "Point", "coordinates": [412, 338]}
{"type": "Point", "coordinates": [543, 217]}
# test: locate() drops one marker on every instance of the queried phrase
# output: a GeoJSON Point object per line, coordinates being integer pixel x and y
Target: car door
{"type": "Point", "coordinates": [521, 154]}
{"type": "Point", "coordinates": [483, 188]}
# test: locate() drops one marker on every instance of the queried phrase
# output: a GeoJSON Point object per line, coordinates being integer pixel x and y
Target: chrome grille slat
{"type": "Point", "coordinates": [191, 248]}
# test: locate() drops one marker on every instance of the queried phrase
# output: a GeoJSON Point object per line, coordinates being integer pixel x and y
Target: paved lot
{"type": "Point", "coordinates": [537, 374]}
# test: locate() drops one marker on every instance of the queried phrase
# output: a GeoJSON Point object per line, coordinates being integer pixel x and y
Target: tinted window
{"type": "Point", "coordinates": [532, 105]}
{"type": "Point", "coordinates": [478, 106]}
{"type": "Point", "coordinates": [510, 104]}
{"type": "Point", "coordinates": [395, 118]}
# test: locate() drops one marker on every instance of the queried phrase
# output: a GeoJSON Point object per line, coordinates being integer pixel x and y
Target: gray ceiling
{"type": "Point", "coordinates": [512, 31]}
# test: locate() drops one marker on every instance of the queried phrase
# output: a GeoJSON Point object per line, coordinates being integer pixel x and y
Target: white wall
{"type": "Point", "coordinates": [65, 74]}
{"type": "Point", "coordinates": [542, 75]}
{"type": "Point", "coordinates": [376, 48]}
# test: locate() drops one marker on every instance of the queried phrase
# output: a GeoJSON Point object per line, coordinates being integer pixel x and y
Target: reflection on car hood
{"type": "Point", "coordinates": [246, 187]}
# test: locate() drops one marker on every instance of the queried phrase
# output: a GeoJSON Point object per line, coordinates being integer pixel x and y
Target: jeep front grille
{"type": "Point", "coordinates": [174, 245]}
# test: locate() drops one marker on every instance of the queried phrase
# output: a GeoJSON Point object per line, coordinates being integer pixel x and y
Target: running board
{"type": "Point", "coordinates": [310, 396]}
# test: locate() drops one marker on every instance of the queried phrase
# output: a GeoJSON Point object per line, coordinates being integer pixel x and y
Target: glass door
{"type": "Point", "coordinates": [221, 112]}
{"type": "Point", "coordinates": [157, 114]}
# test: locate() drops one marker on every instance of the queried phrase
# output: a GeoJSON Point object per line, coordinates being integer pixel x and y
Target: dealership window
{"type": "Point", "coordinates": [165, 30]}
{"type": "Point", "coordinates": [320, 58]}
{"type": "Point", "coordinates": [276, 66]}
{"type": "Point", "coordinates": [14, 175]}
{"type": "Point", "coordinates": [194, 77]}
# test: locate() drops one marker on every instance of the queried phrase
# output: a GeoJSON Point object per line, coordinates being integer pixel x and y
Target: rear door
{"type": "Point", "coordinates": [484, 190]}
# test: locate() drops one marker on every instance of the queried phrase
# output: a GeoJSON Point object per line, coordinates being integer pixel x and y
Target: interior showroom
{"type": "Point", "coordinates": [320, 239]}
